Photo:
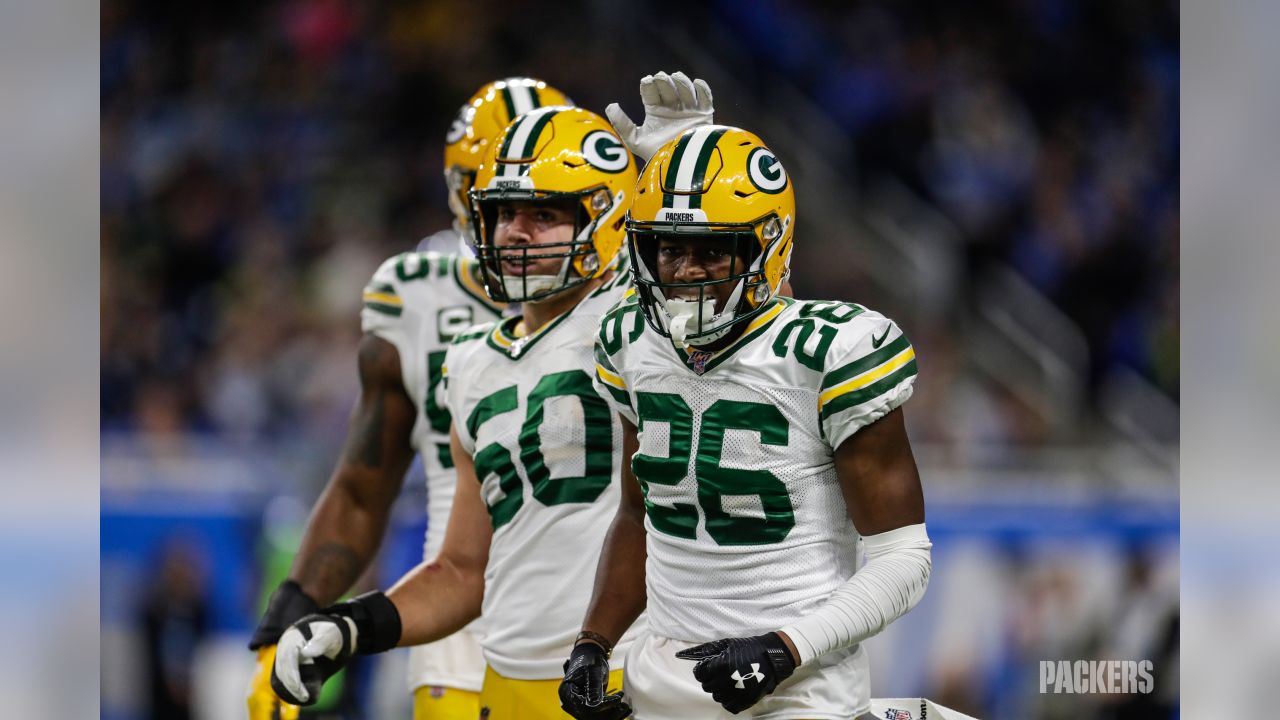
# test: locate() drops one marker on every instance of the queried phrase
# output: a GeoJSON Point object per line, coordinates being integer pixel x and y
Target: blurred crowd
{"type": "Point", "coordinates": [1047, 130]}
{"type": "Point", "coordinates": [260, 158]}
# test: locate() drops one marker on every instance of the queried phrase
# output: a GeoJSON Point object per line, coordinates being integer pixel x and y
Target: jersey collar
{"type": "Point", "coordinates": [466, 272]}
{"type": "Point", "coordinates": [503, 337]}
{"type": "Point", "coordinates": [701, 362]}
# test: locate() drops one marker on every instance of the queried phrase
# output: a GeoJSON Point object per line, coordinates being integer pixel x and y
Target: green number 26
{"type": "Point", "coordinates": [714, 482]}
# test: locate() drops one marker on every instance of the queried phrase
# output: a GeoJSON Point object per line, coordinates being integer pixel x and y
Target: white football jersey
{"type": "Point", "coordinates": [546, 448]}
{"type": "Point", "coordinates": [747, 527]}
{"type": "Point", "coordinates": [418, 302]}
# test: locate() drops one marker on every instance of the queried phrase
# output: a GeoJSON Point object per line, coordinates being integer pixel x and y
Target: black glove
{"type": "Point", "coordinates": [739, 671]}
{"type": "Point", "coordinates": [316, 647]}
{"type": "Point", "coordinates": [586, 677]}
{"type": "Point", "coordinates": [287, 605]}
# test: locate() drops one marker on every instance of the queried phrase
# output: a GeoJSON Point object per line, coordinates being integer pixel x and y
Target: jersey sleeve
{"type": "Point", "coordinates": [453, 394]}
{"type": "Point", "coordinates": [619, 327]}
{"type": "Point", "coordinates": [383, 313]}
{"type": "Point", "coordinates": [612, 386]}
{"type": "Point", "coordinates": [871, 370]}
{"type": "Point", "coordinates": [454, 371]}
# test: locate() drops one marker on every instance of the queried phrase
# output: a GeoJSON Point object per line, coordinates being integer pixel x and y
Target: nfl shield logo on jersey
{"type": "Point", "coordinates": [698, 360]}
{"type": "Point", "coordinates": [896, 714]}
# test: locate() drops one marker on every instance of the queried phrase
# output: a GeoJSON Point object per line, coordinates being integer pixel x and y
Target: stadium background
{"type": "Point", "coordinates": [1001, 178]}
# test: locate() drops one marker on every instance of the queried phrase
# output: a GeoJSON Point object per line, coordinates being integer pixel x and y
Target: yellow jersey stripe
{"type": "Point", "coordinates": [384, 298]}
{"type": "Point", "coordinates": [610, 378]}
{"type": "Point", "coordinates": [868, 377]}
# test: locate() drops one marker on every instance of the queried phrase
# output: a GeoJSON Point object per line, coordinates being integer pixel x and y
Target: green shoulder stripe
{"type": "Point", "coordinates": [865, 363]}
{"type": "Point", "coordinates": [870, 392]}
{"type": "Point", "coordinates": [475, 332]}
{"type": "Point", "coordinates": [619, 396]}
{"type": "Point", "coordinates": [391, 310]}
{"type": "Point", "coordinates": [383, 298]}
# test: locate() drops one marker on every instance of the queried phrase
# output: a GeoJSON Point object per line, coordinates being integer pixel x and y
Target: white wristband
{"type": "Point", "coordinates": [891, 582]}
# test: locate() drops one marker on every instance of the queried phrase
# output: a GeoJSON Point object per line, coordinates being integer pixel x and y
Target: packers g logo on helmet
{"type": "Point", "coordinates": [765, 171]}
{"type": "Point", "coordinates": [713, 180]}
{"type": "Point", "coordinates": [603, 150]}
{"type": "Point", "coordinates": [478, 124]}
{"type": "Point", "coordinates": [554, 155]}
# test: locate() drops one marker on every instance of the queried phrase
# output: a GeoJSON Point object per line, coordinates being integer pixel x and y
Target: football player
{"type": "Point", "coordinates": [536, 447]}
{"type": "Point", "coordinates": [764, 440]}
{"type": "Point", "coordinates": [413, 307]}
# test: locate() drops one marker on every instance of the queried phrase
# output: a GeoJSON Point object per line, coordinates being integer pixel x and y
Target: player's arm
{"type": "Point", "coordinates": [349, 520]}
{"type": "Point", "coordinates": [616, 602]}
{"type": "Point", "coordinates": [440, 596]}
{"type": "Point", "coordinates": [619, 594]}
{"type": "Point", "coordinates": [435, 599]}
{"type": "Point", "coordinates": [881, 489]}
{"type": "Point", "coordinates": [879, 478]}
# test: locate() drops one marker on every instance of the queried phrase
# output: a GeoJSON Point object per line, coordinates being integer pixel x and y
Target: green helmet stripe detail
{"type": "Point", "coordinates": [521, 140]}
{"type": "Point", "coordinates": [532, 143]}
{"type": "Point", "coordinates": [510, 103]}
{"type": "Point", "coordinates": [673, 169]}
{"type": "Point", "coordinates": [506, 142]}
{"type": "Point", "coordinates": [700, 169]}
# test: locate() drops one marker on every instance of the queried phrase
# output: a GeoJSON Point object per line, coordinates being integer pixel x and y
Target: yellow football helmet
{"type": "Point", "coordinates": [554, 155]}
{"type": "Point", "coordinates": [478, 123]}
{"type": "Point", "coordinates": [712, 181]}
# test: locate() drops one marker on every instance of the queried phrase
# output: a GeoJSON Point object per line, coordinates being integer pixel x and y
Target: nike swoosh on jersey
{"type": "Point", "coordinates": [878, 341]}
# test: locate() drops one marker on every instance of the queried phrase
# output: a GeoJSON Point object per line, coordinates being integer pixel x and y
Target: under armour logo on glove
{"type": "Point", "coordinates": [720, 664]}
{"type": "Point", "coordinates": [755, 673]}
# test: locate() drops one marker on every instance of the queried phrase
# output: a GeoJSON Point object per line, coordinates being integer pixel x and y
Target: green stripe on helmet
{"type": "Point", "coordinates": [510, 103]}
{"type": "Point", "coordinates": [534, 132]}
{"type": "Point", "coordinates": [505, 152]}
{"type": "Point", "coordinates": [673, 169]}
{"type": "Point", "coordinates": [700, 168]}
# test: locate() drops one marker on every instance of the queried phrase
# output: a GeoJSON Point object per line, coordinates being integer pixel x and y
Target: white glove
{"type": "Point", "coordinates": [311, 651]}
{"type": "Point", "coordinates": [672, 104]}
